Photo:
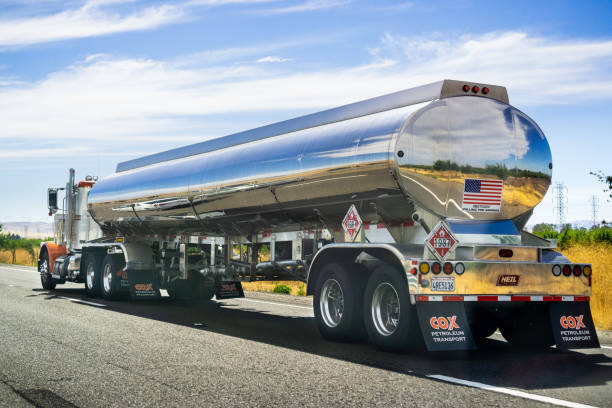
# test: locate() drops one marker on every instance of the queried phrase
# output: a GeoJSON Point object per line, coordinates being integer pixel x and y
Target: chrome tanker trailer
{"type": "Point", "coordinates": [450, 170]}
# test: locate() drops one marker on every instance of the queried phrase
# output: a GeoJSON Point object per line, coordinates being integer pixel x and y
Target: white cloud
{"type": "Point", "coordinates": [109, 100]}
{"type": "Point", "coordinates": [271, 58]}
{"type": "Point", "coordinates": [91, 19]}
{"type": "Point", "coordinates": [310, 5]}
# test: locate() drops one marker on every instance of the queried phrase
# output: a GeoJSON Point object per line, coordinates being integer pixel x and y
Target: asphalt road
{"type": "Point", "coordinates": [56, 351]}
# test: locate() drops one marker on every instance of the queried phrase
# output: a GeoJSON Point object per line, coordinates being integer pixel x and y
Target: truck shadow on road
{"type": "Point", "coordinates": [496, 363]}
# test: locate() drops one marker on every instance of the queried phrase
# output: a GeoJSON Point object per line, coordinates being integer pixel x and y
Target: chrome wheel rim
{"type": "Point", "coordinates": [44, 270]}
{"type": "Point", "coordinates": [90, 276]}
{"type": "Point", "coordinates": [107, 277]}
{"type": "Point", "coordinates": [331, 303]}
{"type": "Point", "coordinates": [385, 309]}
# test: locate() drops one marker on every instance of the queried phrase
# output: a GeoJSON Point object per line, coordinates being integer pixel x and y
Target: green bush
{"type": "Point", "coordinates": [302, 290]}
{"type": "Point", "coordinates": [282, 289]}
{"type": "Point", "coordinates": [577, 236]}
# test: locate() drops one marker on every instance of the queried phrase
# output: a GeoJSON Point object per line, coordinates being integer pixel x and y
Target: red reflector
{"type": "Point", "coordinates": [466, 88]}
{"type": "Point", "coordinates": [413, 271]}
{"type": "Point", "coordinates": [475, 89]}
{"type": "Point", "coordinates": [577, 270]}
{"type": "Point", "coordinates": [448, 268]}
{"type": "Point", "coordinates": [567, 271]}
{"type": "Point", "coordinates": [436, 267]}
{"type": "Point", "coordinates": [506, 253]}
{"type": "Point", "coordinates": [485, 90]}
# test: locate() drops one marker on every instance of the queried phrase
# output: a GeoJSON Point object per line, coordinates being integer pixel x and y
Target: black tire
{"type": "Point", "coordinates": [47, 281]}
{"type": "Point", "coordinates": [390, 320]}
{"type": "Point", "coordinates": [528, 328]}
{"type": "Point", "coordinates": [340, 322]}
{"type": "Point", "coordinates": [110, 281]}
{"type": "Point", "coordinates": [92, 275]}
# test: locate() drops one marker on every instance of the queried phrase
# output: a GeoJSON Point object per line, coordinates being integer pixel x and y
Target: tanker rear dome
{"type": "Point", "coordinates": [466, 137]}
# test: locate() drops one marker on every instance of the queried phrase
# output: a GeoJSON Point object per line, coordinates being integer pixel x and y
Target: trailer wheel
{"type": "Point", "coordinates": [337, 302]}
{"type": "Point", "coordinates": [46, 279]}
{"type": "Point", "coordinates": [92, 276]}
{"type": "Point", "coordinates": [529, 328]}
{"type": "Point", "coordinates": [390, 319]}
{"type": "Point", "coordinates": [111, 284]}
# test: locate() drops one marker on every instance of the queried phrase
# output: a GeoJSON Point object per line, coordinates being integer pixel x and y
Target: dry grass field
{"type": "Point", "coordinates": [600, 257]}
{"type": "Point", "coordinates": [22, 257]}
{"type": "Point", "coordinates": [268, 286]}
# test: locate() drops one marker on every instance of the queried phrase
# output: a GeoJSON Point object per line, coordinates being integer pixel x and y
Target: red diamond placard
{"type": "Point", "coordinates": [441, 240]}
{"type": "Point", "coordinates": [352, 223]}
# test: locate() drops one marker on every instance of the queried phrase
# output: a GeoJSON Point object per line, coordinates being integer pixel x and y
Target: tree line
{"type": "Point", "coordinates": [12, 242]}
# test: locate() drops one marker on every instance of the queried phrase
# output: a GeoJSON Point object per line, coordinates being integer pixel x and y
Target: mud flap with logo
{"type": "Point", "coordinates": [445, 326]}
{"type": "Point", "coordinates": [572, 325]}
{"type": "Point", "coordinates": [143, 285]}
{"type": "Point", "coordinates": [228, 290]}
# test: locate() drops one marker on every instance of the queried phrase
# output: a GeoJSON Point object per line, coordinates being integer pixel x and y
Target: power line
{"type": "Point", "coordinates": [594, 209]}
{"type": "Point", "coordinates": [560, 204]}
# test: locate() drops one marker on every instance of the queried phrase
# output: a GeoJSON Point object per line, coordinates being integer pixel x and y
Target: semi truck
{"type": "Point", "coordinates": [449, 171]}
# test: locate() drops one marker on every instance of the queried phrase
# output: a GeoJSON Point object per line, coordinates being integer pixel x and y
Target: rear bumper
{"type": "Point", "coordinates": [498, 281]}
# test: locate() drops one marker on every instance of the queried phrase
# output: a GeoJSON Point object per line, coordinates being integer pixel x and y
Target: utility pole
{"type": "Point", "coordinates": [594, 208]}
{"type": "Point", "coordinates": [560, 204]}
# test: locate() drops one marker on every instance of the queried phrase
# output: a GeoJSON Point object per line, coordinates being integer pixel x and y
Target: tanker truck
{"type": "Point", "coordinates": [450, 171]}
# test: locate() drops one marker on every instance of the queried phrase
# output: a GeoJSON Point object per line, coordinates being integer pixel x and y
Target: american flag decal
{"type": "Point", "coordinates": [482, 195]}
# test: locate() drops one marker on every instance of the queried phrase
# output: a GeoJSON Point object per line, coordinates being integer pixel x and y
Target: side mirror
{"type": "Point", "coordinates": [52, 199]}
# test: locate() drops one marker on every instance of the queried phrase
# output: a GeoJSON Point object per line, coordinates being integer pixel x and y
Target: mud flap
{"type": "Point", "coordinates": [228, 290]}
{"type": "Point", "coordinates": [445, 326]}
{"type": "Point", "coordinates": [572, 325]}
{"type": "Point", "coordinates": [143, 285]}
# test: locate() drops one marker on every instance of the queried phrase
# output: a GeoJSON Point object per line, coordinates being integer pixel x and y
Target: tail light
{"type": "Point", "coordinates": [424, 268]}
{"type": "Point", "coordinates": [436, 267]}
{"type": "Point", "coordinates": [587, 270]}
{"type": "Point", "coordinates": [556, 270]}
{"type": "Point", "coordinates": [448, 268]}
{"type": "Point", "coordinates": [485, 90]}
{"type": "Point", "coordinates": [567, 271]}
{"type": "Point", "coordinates": [459, 268]}
{"type": "Point", "coordinates": [577, 270]}
{"type": "Point", "coordinates": [475, 89]}
{"type": "Point", "coordinates": [466, 88]}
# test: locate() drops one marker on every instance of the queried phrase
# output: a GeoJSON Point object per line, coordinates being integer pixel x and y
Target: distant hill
{"type": "Point", "coordinates": [28, 229]}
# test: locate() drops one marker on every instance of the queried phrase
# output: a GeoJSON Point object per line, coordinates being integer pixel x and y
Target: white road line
{"type": "Point", "coordinates": [606, 347]}
{"type": "Point", "coordinates": [82, 301]}
{"type": "Point", "coordinates": [275, 303]}
{"type": "Point", "coordinates": [510, 391]}
{"type": "Point", "coordinates": [20, 270]}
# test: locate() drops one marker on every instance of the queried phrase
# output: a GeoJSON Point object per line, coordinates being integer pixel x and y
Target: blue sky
{"type": "Point", "coordinates": [87, 84]}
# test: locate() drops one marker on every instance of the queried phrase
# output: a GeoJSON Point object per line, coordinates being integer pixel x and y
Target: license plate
{"type": "Point", "coordinates": [445, 284]}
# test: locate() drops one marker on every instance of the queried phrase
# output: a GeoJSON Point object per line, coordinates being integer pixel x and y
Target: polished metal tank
{"type": "Point", "coordinates": [387, 155]}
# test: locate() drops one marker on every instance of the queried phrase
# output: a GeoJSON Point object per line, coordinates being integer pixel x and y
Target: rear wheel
{"type": "Point", "coordinates": [92, 275]}
{"type": "Point", "coordinates": [111, 282]}
{"type": "Point", "coordinates": [337, 302]}
{"type": "Point", "coordinates": [390, 319]}
{"type": "Point", "coordinates": [46, 279]}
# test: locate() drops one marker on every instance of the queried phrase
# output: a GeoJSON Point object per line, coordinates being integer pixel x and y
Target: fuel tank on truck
{"type": "Point", "coordinates": [425, 147]}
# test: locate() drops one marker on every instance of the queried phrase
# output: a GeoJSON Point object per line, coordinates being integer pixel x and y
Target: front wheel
{"type": "Point", "coordinates": [47, 281]}
{"type": "Point", "coordinates": [390, 319]}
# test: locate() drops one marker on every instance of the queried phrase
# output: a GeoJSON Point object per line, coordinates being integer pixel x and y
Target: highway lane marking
{"type": "Point", "coordinates": [82, 301]}
{"type": "Point", "coordinates": [509, 391]}
{"type": "Point", "coordinates": [606, 347]}
{"type": "Point", "coordinates": [20, 270]}
{"type": "Point", "coordinates": [276, 303]}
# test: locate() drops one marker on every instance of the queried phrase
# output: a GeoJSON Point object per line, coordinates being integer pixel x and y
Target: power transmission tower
{"type": "Point", "coordinates": [560, 204]}
{"type": "Point", "coordinates": [594, 208]}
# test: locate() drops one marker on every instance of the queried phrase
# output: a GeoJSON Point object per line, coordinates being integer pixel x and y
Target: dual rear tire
{"type": "Point", "coordinates": [349, 305]}
{"type": "Point", "coordinates": [102, 276]}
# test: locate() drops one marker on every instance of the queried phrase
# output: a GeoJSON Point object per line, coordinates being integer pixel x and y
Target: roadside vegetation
{"type": "Point", "coordinates": [17, 250]}
{"type": "Point", "coordinates": [593, 246]}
